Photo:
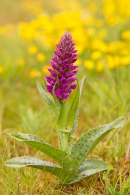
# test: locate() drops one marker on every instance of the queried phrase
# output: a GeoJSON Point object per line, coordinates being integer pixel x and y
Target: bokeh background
{"type": "Point", "coordinates": [29, 31]}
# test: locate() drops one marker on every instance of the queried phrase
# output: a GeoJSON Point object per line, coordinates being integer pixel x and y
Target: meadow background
{"type": "Point", "coordinates": [29, 31]}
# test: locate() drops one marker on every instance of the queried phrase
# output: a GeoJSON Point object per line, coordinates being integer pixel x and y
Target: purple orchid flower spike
{"type": "Point", "coordinates": [62, 73]}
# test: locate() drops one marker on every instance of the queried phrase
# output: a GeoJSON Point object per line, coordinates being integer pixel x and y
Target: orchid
{"type": "Point", "coordinates": [63, 71]}
{"type": "Point", "coordinates": [65, 89]}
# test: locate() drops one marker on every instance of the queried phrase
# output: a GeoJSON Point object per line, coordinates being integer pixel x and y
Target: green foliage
{"type": "Point", "coordinates": [89, 140]}
{"type": "Point", "coordinates": [51, 105]}
{"type": "Point", "coordinates": [90, 167]}
{"type": "Point", "coordinates": [64, 175]}
{"type": "Point", "coordinates": [70, 103]}
{"type": "Point", "coordinates": [74, 167]}
{"type": "Point", "coordinates": [68, 118]}
{"type": "Point", "coordinates": [31, 120]}
{"type": "Point", "coordinates": [75, 122]}
{"type": "Point", "coordinates": [27, 161]}
{"type": "Point", "coordinates": [40, 145]}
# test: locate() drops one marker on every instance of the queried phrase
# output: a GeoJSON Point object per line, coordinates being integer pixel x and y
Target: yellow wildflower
{"type": "Point", "coordinates": [91, 31]}
{"type": "Point", "coordinates": [45, 69]}
{"type": "Point", "coordinates": [1, 69]}
{"type": "Point", "coordinates": [126, 35]}
{"type": "Point", "coordinates": [41, 57]}
{"type": "Point", "coordinates": [33, 73]}
{"type": "Point", "coordinates": [99, 45]}
{"type": "Point", "coordinates": [125, 60]}
{"type": "Point", "coordinates": [89, 64]}
{"type": "Point", "coordinates": [96, 55]}
{"type": "Point", "coordinates": [78, 62]}
{"type": "Point", "coordinates": [110, 62]}
{"type": "Point", "coordinates": [2, 30]}
{"type": "Point", "coordinates": [80, 48]}
{"type": "Point", "coordinates": [117, 60]}
{"type": "Point", "coordinates": [102, 33]}
{"type": "Point", "coordinates": [99, 66]}
{"type": "Point", "coordinates": [33, 49]}
{"type": "Point", "coordinates": [26, 31]}
{"type": "Point", "coordinates": [99, 23]}
{"type": "Point", "coordinates": [125, 51]}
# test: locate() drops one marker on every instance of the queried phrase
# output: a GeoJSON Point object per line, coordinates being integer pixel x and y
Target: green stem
{"type": "Point", "coordinates": [63, 140]}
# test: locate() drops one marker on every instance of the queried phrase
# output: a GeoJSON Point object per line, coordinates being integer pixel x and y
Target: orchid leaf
{"type": "Point", "coordinates": [91, 164]}
{"type": "Point", "coordinates": [40, 145]}
{"type": "Point", "coordinates": [26, 161]}
{"type": "Point", "coordinates": [90, 167]}
{"type": "Point", "coordinates": [64, 112]}
{"type": "Point", "coordinates": [89, 140]}
{"type": "Point", "coordinates": [75, 123]}
{"type": "Point", "coordinates": [51, 105]}
{"type": "Point", "coordinates": [73, 111]}
{"type": "Point", "coordinates": [81, 82]}
{"type": "Point", "coordinates": [68, 117]}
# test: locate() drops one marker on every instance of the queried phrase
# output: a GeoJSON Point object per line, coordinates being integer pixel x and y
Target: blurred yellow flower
{"type": "Point", "coordinates": [126, 35]}
{"type": "Point", "coordinates": [45, 69]}
{"type": "Point", "coordinates": [41, 57]}
{"type": "Point", "coordinates": [26, 31]}
{"type": "Point", "coordinates": [96, 55]}
{"type": "Point", "coordinates": [80, 49]}
{"type": "Point", "coordinates": [2, 30]}
{"type": "Point", "coordinates": [99, 66]}
{"type": "Point", "coordinates": [89, 64]}
{"type": "Point", "coordinates": [91, 31]}
{"type": "Point", "coordinates": [1, 69]}
{"type": "Point", "coordinates": [110, 61]}
{"type": "Point", "coordinates": [77, 33]}
{"type": "Point", "coordinates": [99, 45]}
{"type": "Point", "coordinates": [102, 33]}
{"type": "Point", "coordinates": [117, 60]}
{"type": "Point", "coordinates": [125, 51]}
{"type": "Point", "coordinates": [125, 60]}
{"type": "Point", "coordinates": [33, 73]}
{"type": "Point", "coordinates": [33, 49]}
{"type": "Point", "coordinates": [78, 62]}
{"type": "Point", "coordinates": [99, 23]}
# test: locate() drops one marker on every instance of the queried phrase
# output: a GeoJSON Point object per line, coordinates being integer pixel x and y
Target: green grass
{"type": "Point", "coordinates": [105, 97]}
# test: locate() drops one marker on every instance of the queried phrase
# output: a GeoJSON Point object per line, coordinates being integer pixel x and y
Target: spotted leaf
{"type": "Point", "coordinates": [65, 110]}
{"type": "Point", "coordinates": [90, 167]}
{"type": "Point", "coordinates": [75, 120]}
{"type": "Point", "coordinates": [64, 175]}
{"type": "Point", "coordinates": [51, 105]}
{"type": "Point", "coordinates": [40, 145]}
{"type": "Point", "coordinates": [89, 140]}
